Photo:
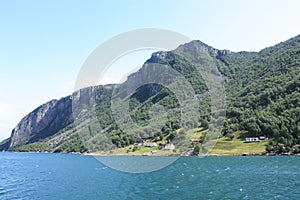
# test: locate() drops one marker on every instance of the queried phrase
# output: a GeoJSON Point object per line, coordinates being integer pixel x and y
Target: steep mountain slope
{"type": "Point", "coordinates": [264, 93]}
{"type": "Point", "coordinates": [262, 90]}
{"type": "Point", "coordinates": [44, 121]}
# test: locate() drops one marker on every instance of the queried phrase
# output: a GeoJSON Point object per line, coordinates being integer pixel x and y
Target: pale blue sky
{"type": "Point", "coordinates": [44, 43]}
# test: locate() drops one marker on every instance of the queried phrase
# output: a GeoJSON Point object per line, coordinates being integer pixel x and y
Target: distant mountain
{"type": "Point", "coordinates": [262, 89]}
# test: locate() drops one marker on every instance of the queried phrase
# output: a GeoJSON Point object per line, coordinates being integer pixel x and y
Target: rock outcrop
{"type": "Point", "coordinates": [53, 116]}
{"type": "Point", "coordinates": [44, 121]}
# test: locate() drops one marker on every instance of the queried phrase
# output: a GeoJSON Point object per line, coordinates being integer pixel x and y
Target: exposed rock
{"type": "Point", "coordinates": [51, 117]}
{"type": "Point", "coordinates": [44, 121]}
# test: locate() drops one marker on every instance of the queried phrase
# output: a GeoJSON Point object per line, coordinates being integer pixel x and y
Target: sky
{"type": "Point", "coordinates": [43, 44]}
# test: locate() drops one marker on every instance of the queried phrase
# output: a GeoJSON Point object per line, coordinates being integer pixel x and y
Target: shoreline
{"type": "Point", "coordinates": [156, 155]}
{"type": "Point", "coordinates": [200, 155]}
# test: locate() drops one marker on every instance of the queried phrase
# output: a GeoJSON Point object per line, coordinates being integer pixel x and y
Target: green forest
{"type": "Point", "coordinates": [262, 99]}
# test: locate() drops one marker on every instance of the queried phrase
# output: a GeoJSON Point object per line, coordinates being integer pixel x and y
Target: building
{"type": "Point", "coordinates": [195, 140]}
{"type": "Point", "coordinates": [150, 144]}
{"type": "Point", "coordinates": [169, 146]}
{"type": "Point", "coordinates": [252, 139]}
{"type": "Point", "coordinates": [262, 137]}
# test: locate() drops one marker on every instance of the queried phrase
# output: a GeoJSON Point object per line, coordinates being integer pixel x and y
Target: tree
{"type": "Point", "coordinates": [204, 124]}
{"type": "Point", "coordinates": [197, 149]}
{"type": "Point", "coordinates": [269, 148]}
{"type": "Point", "coordinates": [230, 136]}
{"type": "Point", "coordinates": [171, 136]}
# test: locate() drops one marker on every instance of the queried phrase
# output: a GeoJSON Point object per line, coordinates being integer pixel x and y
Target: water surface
{"type": "Point", "coordinates": [67, 176]}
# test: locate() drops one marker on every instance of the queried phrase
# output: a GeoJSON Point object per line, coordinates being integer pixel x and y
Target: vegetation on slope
{"type": "Point", "coordinates": [262, 88]}
{"type": "Point", "coordinates": [263, 97]}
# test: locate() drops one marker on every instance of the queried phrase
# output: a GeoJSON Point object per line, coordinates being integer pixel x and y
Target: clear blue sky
{"type": "Point", "coordinates": [44, 43]}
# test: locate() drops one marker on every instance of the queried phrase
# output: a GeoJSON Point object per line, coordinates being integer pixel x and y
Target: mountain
{"type": "Point", "coordinates": [44, 121]}
{"type": "Point", "coordinates": [262, 99]}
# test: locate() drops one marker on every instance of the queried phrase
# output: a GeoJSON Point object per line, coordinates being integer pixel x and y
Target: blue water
{"type": "Point", "coordinates": [66, 176]}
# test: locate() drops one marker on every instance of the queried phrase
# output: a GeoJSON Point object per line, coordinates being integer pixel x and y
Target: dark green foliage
{"type": "Point", "coordinates": [103, 107]}
{"type": "Point", "coordinates": [121, 139]}
{"type": "Point", "coordinates": [35, 147]}
{"type": "Point", "coordinates": [204, 123]}
{"type": "Point", "coordinates": [74, 144]}
{"type": "Point", "coordinates": [263, 96]}
{"type": "Point", "coordinates": [171, 136]}
{"type": "Point", "coordinates": [185, 68]}
{"type": "Point", "coordinates": [262, 90]}
{"type": "Point", "coordinates": [197, 149]}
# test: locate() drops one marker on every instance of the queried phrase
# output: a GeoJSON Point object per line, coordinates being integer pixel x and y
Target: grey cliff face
{"type": "Point", "coordinates": [51, 117]}
{"type": "Point", "coordinates": [44, 121]}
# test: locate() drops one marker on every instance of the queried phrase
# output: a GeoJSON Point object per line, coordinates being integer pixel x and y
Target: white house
{"type": "Point", "coordinates": [252, 139]}
{"type": "Point", "coordinates": [262, 138]}
{"type": "Point", "coordinates": [169, 146]}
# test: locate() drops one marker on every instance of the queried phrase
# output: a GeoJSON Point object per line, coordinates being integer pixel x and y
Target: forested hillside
{"type": "Point", "coordinates": [262, 99]}
{"type": "Point", "coordinates": [263, 96]}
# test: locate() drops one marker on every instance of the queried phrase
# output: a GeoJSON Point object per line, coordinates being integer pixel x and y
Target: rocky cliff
{"type": "Point", "coordinates": [44, 121]}
{"type": "Point", "coordinates": [262, 90]}
{"type": "Point", "coordinates": [51, 117]}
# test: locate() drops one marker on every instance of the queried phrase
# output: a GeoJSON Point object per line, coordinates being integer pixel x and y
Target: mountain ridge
{"type": "Point", "coordinates": [231, 64]}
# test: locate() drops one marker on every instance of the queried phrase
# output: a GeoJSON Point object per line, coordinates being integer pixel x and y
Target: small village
{"type": "Point", "coordinates": [239, 144]}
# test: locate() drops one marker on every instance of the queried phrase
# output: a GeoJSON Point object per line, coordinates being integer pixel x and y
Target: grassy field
{"type": "Point", "coordinates": [141, 151]}
{"type": "Point", "coordinates": [223, 146]}
{"type": "Point", "coordinates": [237, 146]}
{"type": "Point", "coordinates": [195, 133]}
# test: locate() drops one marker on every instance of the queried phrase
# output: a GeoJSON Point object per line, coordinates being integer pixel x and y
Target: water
{"type": "Point", "coordinates": [66, 176]}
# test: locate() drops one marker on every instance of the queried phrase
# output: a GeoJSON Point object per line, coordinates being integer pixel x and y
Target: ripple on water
{"type": "Point", "coordinates": [63, 176]}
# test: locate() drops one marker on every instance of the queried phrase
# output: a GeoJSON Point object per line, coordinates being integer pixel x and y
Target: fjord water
{"type": "Point", "coordinates": [67, 176]}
